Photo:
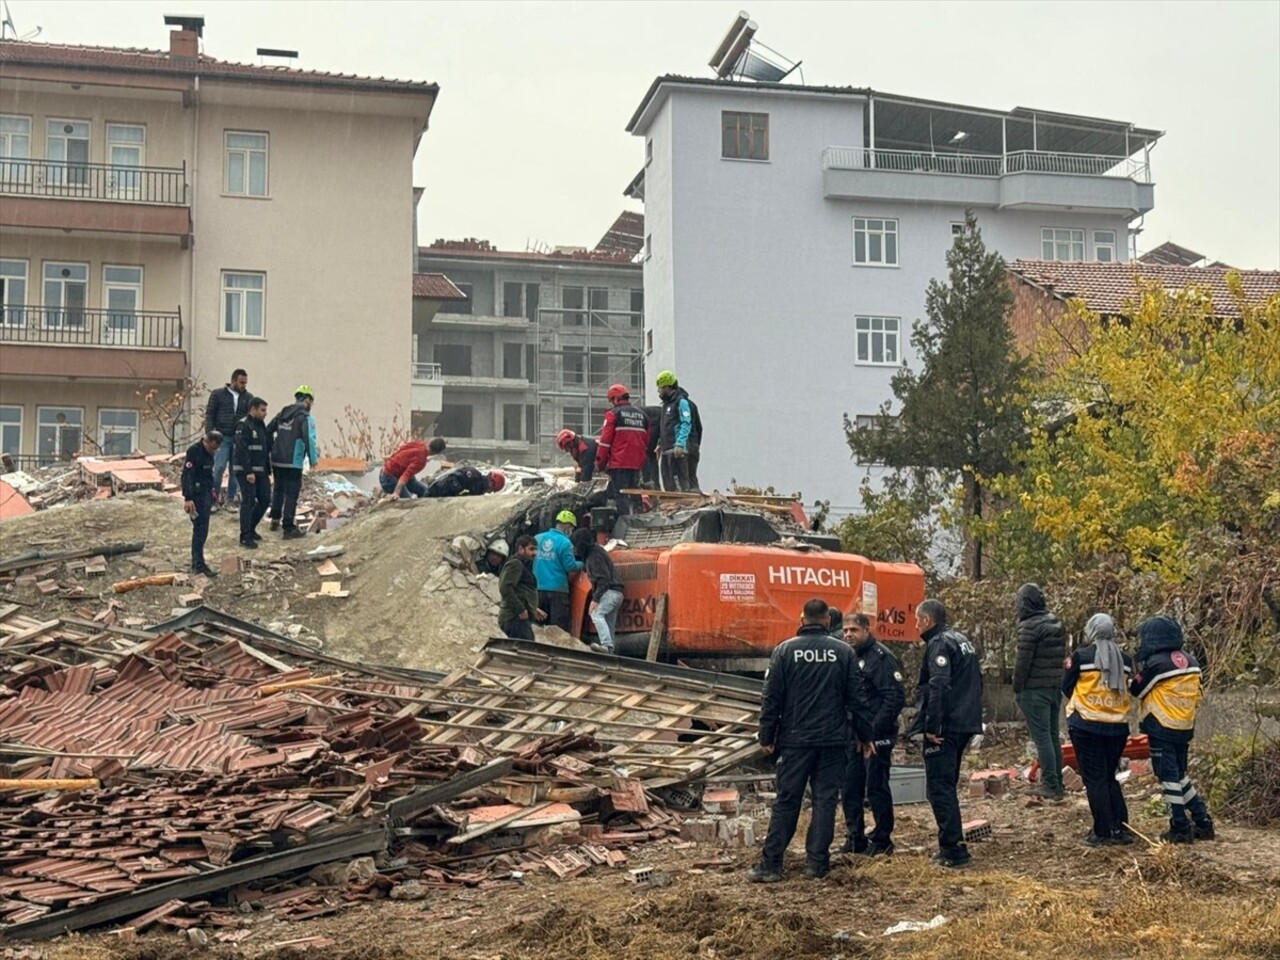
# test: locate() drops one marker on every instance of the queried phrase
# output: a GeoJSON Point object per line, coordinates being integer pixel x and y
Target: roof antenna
{"type": "Point", "coordinates": [9, 31]}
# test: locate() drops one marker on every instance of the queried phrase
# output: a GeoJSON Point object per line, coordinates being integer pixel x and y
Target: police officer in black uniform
{"type": "Point", "coordinates": [867, 778]}
{"type": "Point", "coordinates": [251, 465]}
{"type": "Point", "coordinates": [812, 691]}
{"type": "Point", "coordinates": [948, 716]}
{"type": "Point", "coordinates": [197, 495]}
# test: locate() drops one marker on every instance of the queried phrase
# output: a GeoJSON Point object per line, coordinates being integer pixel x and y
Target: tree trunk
{"type": "Point", "coordinates": [973, 559]}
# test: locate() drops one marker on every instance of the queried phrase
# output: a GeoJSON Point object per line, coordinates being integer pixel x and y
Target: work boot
{"type": "Point", "coordinates": [1091, 839]}
{"type": "Point", "coordinates": [275, 524]}
{"type": "Point", "coordinates": [880, 849]}
{"type": "Point", "coordinates": [815, 871]}
{"type": "Point", "coordinates": [1203, 830]}
{"type": "Point", "coordinates": [1179, 835]}
{"type": "Point", "coordinates": [952, 859]}
{"type": "Point", "coordinates": [763, 874]}
{"type": "Point", "coordinates": [1045, 792]}
{"type": "Point", "coordinates": [256, 535]}
{"type": "Point", "coordinates": [854, 844]}
{"type": "Point", "coordinates": [1124, 838]}
{"type": "Point", "coordinates": [206, 570]}
{"type": "Point", "coordinates": [249, 543]}
{"type": "Point", "coordinates": [293, 533]}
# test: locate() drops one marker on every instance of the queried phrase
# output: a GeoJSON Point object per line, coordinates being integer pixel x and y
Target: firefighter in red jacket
{"type": "Point", "coordinates": [583, 450]}
{"type": "Point", "coordinates": [623, 447]}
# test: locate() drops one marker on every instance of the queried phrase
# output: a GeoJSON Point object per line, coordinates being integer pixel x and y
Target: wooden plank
{"type": "Point", "coordinates": [659, 628]}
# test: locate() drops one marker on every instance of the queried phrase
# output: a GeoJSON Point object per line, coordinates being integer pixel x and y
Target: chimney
{"type": "Point", "coordinates": [185, 40]}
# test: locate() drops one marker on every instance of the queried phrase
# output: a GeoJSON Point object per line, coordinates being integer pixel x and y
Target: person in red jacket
{"type": "Point", "coordinates": [399, 475]}
{"type": "Point", "coordinates": [623, 447]}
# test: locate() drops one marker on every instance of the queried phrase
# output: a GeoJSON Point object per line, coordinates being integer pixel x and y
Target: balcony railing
{"type": "Point", "coordinates": [94, 181]}
{"type": "Point", "coordinates": [427, 372]}
{"type": "Point", "coordinates": [986, 165]}
{"type": "Point", "coordinates": [81, 327]}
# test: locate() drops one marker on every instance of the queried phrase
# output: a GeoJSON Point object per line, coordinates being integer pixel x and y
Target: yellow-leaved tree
{"type": "Point", "coordinates": [1153, 430]}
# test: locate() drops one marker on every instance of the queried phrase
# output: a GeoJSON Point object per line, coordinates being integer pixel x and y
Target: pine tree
{"type": "Point", "coordinates": [960, 412]}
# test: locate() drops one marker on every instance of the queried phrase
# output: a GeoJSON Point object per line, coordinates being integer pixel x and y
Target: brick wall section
{"type": "Point", "coordinates": [1040, 321]}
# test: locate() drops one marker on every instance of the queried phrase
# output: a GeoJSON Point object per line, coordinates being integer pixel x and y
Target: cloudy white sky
{"type": "Point", "coordinates": [527, 145]}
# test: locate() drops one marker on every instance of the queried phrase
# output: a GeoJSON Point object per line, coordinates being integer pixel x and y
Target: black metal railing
{"type": "Point", "coordinates": [94, 181]}
{"type": "Point", "coordinates": [82, 327]}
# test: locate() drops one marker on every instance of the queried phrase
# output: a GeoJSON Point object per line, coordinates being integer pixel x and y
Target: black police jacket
{"type": "Point", "coordinates": [812, 691]}
{"type": "Point", "coordinates": [949, 697]}
{"type": "Point", "coordinates": [197, 472]}
{"type": "Point", "coordinates": [882, 681]}
{"type": "Point", "coordinates": [253, 448]}
{"type": "Point", "coordinates": [458, 482]}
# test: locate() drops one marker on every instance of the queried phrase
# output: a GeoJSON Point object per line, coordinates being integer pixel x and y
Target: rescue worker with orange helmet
{"type": "Point", "coordinates": [466, 481]}
{"type": "Point", "coordinates": [582, 450]}
{"type": "Point", "coordinates": [623, 447]}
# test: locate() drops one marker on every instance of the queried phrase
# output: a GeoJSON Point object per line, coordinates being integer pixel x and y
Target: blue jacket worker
{"type": "Point", "coordinates": [552, 566]}
{"type": "Point", "coordinates": [812, 693]}
{"type": "Point", "coordinates": [293, 432]}
{"type": "Point", "coordinates": [197, 495]}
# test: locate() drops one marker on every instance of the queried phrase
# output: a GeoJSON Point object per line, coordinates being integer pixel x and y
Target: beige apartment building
{"type": "Point", "coordinates": [165, 215]}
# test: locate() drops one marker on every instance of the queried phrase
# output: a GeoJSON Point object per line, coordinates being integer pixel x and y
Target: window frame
{"type": "Point", "coordinates": [56, 457]}
{"type": "Point", "coordinates": [957, 229]}
{"type": "Point", "coordinates": [108, 331]}
{"type": "Point", "coordinates": [1070, 242]}
{"type": "Point", "coordinates": [867, 233]}
{"type": "Point", "coordinates": [570, 315]}
{"type": "Point", "coordinates": [6, 303]}
{"type": "Point", "coordinates": [8, 424]}
{"type": "Point", "coordinates": [867, 421]}
{"type": "Point", "coordinates": [62, 307]}
{"type": "Point", "coordinates": [10, 164]}
{"type": "Point", "coordinates": [227, 150]}
{"type": "Point", "coordinates": [65, 164]}
{"type": "Point", "coordinates": [870, 332]}
{"type": "Point", "coordinates": [751, 116]}
{"type": "Point", "coordinates": [134, 431]}
{"type": "Point", "coordinates": [223, 334]}
{"type": "Point", "coordinates": [1111, 245]}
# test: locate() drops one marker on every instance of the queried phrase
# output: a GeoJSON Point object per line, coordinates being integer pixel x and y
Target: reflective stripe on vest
{"type": "Point", "coordinates": [1172, 698]}
{"type": "Point", "coordinates": [1092, 701]}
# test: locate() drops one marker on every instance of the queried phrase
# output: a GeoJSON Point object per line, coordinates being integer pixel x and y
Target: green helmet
{"type": "Point", "coordinates": [304, 391]}
{"type": "Point", "coordinates": [666, 379]}
{"type": "Point", "coordinates": [566, 516]}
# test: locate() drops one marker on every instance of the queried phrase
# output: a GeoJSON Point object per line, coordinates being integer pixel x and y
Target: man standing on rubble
{"type": "Point", "coordinates": [622, 447]}
{"type": "Point", "coordinates": [293, 432]}
{"type": "Point", "coordinates": [948, 716]}
{"type": "Point", "coordinates": [518, 592]}
{"type": "Point", "coordinates": [812, 692]}
{"type": "Point", "coordinates": [552, 566]}
{"type": "Point", "coordinates": [867, 778]}
{"type": "Point", "coordinates": [227, 406]}
{"type": "Point", "coordinates": [197, 494]}
{"type": "Point", "coordinates": [466, 481]}
{"type": "Point", "coordinates": [679, 435]}
{"type": "Point", "coordinates": [252, 467]}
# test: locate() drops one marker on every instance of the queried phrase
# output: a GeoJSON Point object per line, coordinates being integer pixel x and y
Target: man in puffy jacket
{"type": "Point", "coordinates": [1167, 684]}
{"type": "Point", "coordinates": [1037, 683]}
{"type": "Point", "coordinates": [679, 435]}
{"type": "Point", "coordinates": [868, 777]}
{"type": "Point", "coordinates": [583, 452]}
{"type": "Point", "coordinates": [948, 716]}
{"type": "Point", "coordinates": [621, 451]}
{"type": "Point", "coordinates": [552, 566]}
{"type": "Point", "coordinates": [252, 468]}
{"type": "Point", "coordinates": [812, 692]}
{"type": "Point", "coordinates": [227, 406]}
{"type": "Point", "coordinates": [466, 482]}
{"type": "Point", "coordinates": [293, 432]}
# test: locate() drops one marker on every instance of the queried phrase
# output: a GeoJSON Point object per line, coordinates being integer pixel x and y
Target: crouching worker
{"type": "Point", "coordinates": [1167, 685]}
{"type": "Point", "coordinates": [518, 593]}
{"type": "Point", "coordinates": [582, 450]}
{"type": "Point", "coordinates": [606, 589]}
{"type": "Point", "coordinates": [399, 474]}
{"type": "Point", "coordinates": [465, 481]}
{"type": "Point", "coordinates": [812, 692]}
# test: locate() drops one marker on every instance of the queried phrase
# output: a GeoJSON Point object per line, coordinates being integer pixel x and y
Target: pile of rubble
{"type": "Point", "coordinates": [195, 773]}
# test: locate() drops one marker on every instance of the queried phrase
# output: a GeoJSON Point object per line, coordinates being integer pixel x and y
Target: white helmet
{"type": "Point", "coordinates": [500, 547]}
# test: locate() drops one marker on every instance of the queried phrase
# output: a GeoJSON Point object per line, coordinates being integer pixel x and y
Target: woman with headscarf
{"type": "Point", "coordinates": [1096, 685]}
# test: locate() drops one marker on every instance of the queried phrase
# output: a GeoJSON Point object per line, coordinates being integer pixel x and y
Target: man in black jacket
{"type": "Point", "coordinates": [812, 692]}
{"type": "Point", "coordinates": [1037, 683]}
{"type": "Point", "coordinates": [948, 716]}
{"type": "Point", "coordinates": [464, 481]}
{"type": "Point", "coordinates": [227, 406]}
{"type": "Point", "coordinates": [868, 777]}
{"type": "Point", "coordinates": [197, 495]}
{"type": "Point", "coordinates": [252, 468]}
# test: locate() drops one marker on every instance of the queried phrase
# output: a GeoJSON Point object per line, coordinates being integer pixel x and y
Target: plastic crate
{"type": "Point", "coordinates": [906, 784]}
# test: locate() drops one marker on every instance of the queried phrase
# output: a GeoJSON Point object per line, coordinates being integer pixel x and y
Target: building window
{"type": "Point", "coordinates": [11, 430]}
{"type": "Point", "coordinates": [454, 420]}
{"type": "Point", "coordinates": [246, 164]}
{"type": "Point", "coordinates": [599, 368]}
{"type": "Point", "coordinates": [598, 301]}
{"type": "Point", "coordinates": [13, 293]}
{"type": "Point", "coordinates": [126, 149]}
{"type": "Point", "coordinates": [243, 304]}
{"type": "Point", "coordinates": [454, 359]}
{"type": "Point", "coordinates": [575, 367]}
{"type": "Point", "coordinates": [462, 306]}
{"type": "Point", "coordinates": [573, 299]}
{"type": "Point", "coordinates": [637, 307]}
{"type": "Point", "coordinates": [648, 151]}
{"type": "Point", "coordinates": [117, 432]}
{"type": "Point", "coordinates": [878, 339]}
{"type": "Point", "coordinates": [67, 150]}
{"type": "Point", "coordinates": [875, 242]}
{"type": "Point", "coordinates": [1104, 245]}
{"type": "Point", "coordinates": [15, 149]}
{"type": "Point", "coordinates": [58, 433]}
{"type": "Point", "coordinates": [865, 421]}
{"type": "Point", "coordinates": [574, 418]}
{"type": "Point", "coordinates": [957, 229]}
{"type": "Point", "coordinates": [512, 358]}
{"type": "Point", "coordinates": [66, 293]}
{"type": "Point", "coordinates": [744, 136]}
{"type": "Point", "coordinates": [513, 421]}
{"type": "Point", "coordinates": [1061, 244]}
{"type": "Point", "coordinates": [122, 299]}
{"type": "Point", "coordinates": [532, 300]}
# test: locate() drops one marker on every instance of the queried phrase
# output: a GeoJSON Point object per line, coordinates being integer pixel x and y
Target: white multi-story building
{"type": "Point", "coordinates": [791, 233]}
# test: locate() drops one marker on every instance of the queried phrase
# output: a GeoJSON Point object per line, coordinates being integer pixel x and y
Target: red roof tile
{"type": "Point", "coordinates": [435, 286]}
{"type": "Point", "coordinates": [1110, 288]}
{"type": "Point", "coordinates": [137, 60]}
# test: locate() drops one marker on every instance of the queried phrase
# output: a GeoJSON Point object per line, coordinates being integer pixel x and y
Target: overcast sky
{"type": "Point", "coordinates": [527, 145]}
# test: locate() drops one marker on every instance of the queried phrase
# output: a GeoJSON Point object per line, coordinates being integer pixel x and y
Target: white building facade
{"type": "Point", "coordinates": [791, 233]}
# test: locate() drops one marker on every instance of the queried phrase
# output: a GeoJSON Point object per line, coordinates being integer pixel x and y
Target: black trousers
{"type": "Point", "coordinates": [517, 629]}
{"type": "Point", "coordinates": [821, 769]}
{"type": "Point", "coordinates": [1098, 757]}
{"type": "Point", "coordinates": [254, 499]}
{"type": "Point", "coordinates": [557, 606]}
{"type": "Point", "coordinates": [941, 775]}
{"type": "Point", "coordinates": [620, 480]}
{"type": "Point", "coordinates": [284, 499]}
{"type": "Point", "coordinates": [867, 779]}
{"type": "Point", "coordinates": [200, 527]}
